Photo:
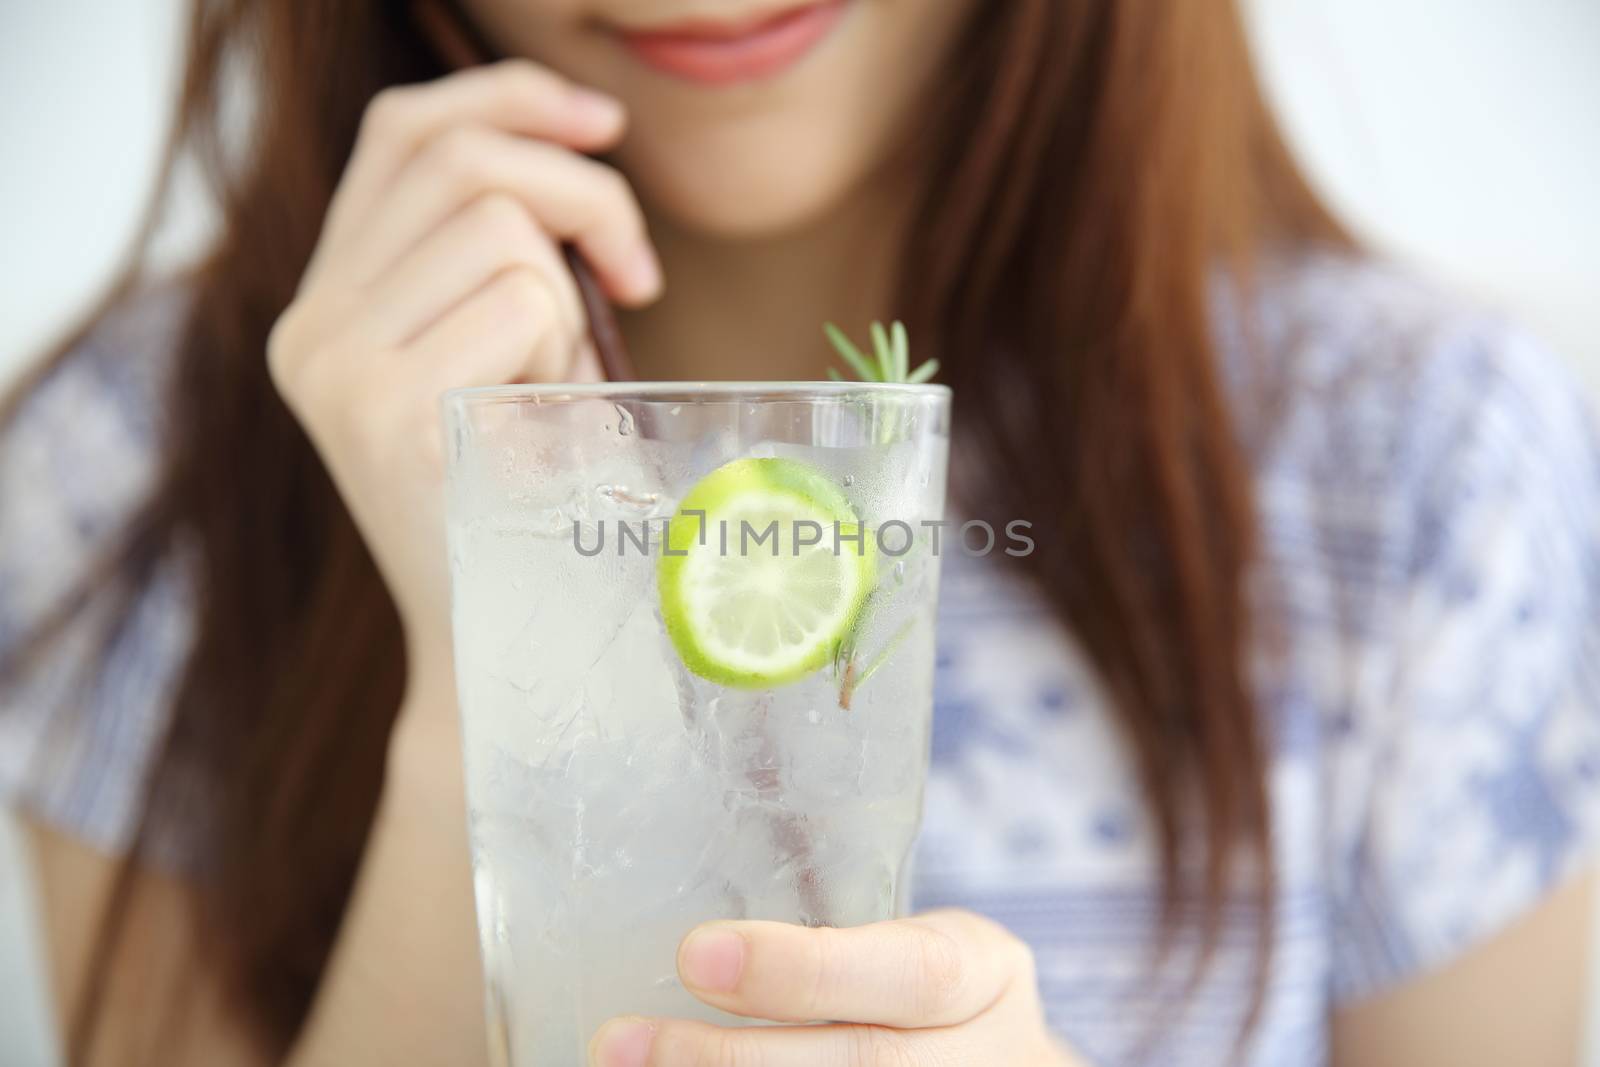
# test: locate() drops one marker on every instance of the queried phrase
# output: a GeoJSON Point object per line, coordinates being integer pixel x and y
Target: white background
{"type": "Point", "coordinates": [85, 90]}
{"type": "Point", "coordinates": [1462, 135]}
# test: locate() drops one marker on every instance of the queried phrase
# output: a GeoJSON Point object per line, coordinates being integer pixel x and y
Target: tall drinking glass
{"type": "Point", "coordinates": [694, 648]}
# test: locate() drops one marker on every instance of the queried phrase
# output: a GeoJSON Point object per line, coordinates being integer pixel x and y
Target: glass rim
{"type": "Point", "coordinates": [746, 391]}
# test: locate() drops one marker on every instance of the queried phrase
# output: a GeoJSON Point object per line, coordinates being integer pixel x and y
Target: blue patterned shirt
{"type": "Point", "coordinates": [1428, 485]}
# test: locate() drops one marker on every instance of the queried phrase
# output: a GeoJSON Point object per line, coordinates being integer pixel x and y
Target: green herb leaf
{"type": "Point", "coordinates": [890, 361]}
{"type": "Point", "coordinates": [850, 353]}
{"type": "Point", "coordinates": [880, 349]}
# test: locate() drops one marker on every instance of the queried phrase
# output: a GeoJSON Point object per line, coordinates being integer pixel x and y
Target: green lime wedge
{"type": "Point", "coordinates": [746, 600]}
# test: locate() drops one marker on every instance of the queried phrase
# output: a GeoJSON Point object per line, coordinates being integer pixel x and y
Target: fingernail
{"type": "Point", "coordinates": [712, 959]}
{"type": "Point", "coordinates": [622, 1043]}
{"type": "Point", "coordinates": [643, 272]}
{"type": "Point", "coordinates": [597, 108]}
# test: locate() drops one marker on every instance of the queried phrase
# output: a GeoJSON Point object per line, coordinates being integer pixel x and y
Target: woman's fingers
{"type": "Point", "coordinates": [439, 267]}
{"type": "Point", "coordinates": [946, 987]}
{"type": "Point", "coordinates": [680, 1043]}
{"type": "Point", "coordinates": [569, 196]}
{"type": "Point", "coordinates": [938, 969]}
{"type": "Point", "coordinates": [492, 234]}
{"type": "Point", "coordinates": [515, 95]}
{"type": "Point", "coordinates": [507, 331]}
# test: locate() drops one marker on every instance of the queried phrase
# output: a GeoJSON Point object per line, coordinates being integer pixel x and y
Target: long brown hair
{"type": "Point", "coordinates": [1093, 166]}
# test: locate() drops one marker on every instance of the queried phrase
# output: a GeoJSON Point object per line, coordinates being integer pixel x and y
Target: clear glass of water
{"type": "Point", "coordinates": [672, 717]}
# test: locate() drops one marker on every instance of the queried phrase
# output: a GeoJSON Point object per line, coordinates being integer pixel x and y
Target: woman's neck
{"type": "Point", "coordinates": [754, 309]}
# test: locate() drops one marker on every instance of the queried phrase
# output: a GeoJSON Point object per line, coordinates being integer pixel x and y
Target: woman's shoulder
{"type": "Point", "coordinates": [79, 454]}
{"type": "Point", "coordinates": [1430, 496]}
{"type": "Point", "coordinates": [119, 363]}
{"type": "Point", "coordinates": [79, 450]}
{"type": "Point", "coordinates": [1384, 403]}
{"type": "Point", "coordinates": [1389, 363]}
{"type": "Point", "coordinates": [1413, 450]}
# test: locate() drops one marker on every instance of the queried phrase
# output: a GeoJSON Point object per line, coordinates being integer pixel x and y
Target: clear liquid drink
{"type": "Point", "coordinates": [664, 722]}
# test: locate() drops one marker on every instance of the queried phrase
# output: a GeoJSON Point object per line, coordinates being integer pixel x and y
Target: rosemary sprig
{"type": "Point", "coordinates": [890, 361]}
{"type": "Point", "coordinates": [854, 675]}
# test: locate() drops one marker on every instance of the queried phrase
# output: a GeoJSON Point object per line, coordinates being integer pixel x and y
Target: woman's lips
{"type": "Point", "coordinates": [723, 53]}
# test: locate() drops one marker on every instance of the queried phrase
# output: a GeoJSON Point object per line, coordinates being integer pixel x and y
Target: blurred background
{"type": "Point", "coordinates": [1460, 135]}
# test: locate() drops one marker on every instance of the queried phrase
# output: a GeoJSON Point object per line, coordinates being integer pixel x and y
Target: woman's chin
{"type": "Point", "coordinates": [745, 196]}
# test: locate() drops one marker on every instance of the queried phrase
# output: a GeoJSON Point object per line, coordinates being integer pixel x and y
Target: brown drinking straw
{"type": "Point", "coordinates": [460, 47]}
{"type": "Point", "coordinates": [615, 363]}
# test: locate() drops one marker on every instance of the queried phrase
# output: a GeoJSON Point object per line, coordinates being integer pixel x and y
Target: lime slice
{"type": "Point", "coordinates": [746, 603]}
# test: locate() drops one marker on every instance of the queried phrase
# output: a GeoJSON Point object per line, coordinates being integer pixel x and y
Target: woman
{"type": "Point", "coordinates": [1280, 748]}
